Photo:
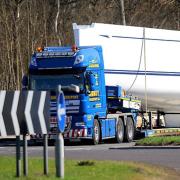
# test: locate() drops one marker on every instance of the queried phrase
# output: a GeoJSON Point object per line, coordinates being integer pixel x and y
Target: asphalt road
{"type": "Point", "coordinates": [164, 156]}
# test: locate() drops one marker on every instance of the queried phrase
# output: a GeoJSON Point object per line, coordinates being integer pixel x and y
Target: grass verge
{"type": "Point", "coordinates": [89, 170]}
{"type": "Point", "coordinates": [159, 141]}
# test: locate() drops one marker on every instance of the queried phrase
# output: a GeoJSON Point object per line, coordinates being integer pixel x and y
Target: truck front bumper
{"type": "Point", "coordinates": [75, 133]}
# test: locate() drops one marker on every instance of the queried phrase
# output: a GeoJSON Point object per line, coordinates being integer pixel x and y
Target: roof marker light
{"type": "Point", "coordinates": [74, 48]}
{"type": "Point", "coordinates": [39, 49]}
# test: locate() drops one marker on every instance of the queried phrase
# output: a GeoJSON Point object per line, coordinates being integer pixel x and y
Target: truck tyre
{"type": "Point", "coordinates": [129, 130]}
{"type": "Point", "coordinates": [96, 132]}
{"type": "Point", "coordinates": [119, 131]}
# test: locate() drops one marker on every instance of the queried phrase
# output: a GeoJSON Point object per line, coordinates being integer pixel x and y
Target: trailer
{"type": "Point", "coordinates": [145, 61]}
{"type": "Point", "coordinates": [94, 111]}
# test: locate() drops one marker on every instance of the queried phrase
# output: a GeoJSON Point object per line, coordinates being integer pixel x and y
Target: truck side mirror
{"type": "Point", "coordinates": [92, 81]}
{"type": "Point", "coordinates": [24, 81]}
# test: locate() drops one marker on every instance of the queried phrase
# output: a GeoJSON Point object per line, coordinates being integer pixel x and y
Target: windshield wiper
{"type": "Point", "coordinates": [77, 76]}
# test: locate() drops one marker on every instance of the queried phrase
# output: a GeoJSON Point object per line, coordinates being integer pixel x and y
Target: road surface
{"type": "Point", "coordinates": [164, 156]}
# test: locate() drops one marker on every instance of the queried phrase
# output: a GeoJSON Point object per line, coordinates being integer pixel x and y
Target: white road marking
{"type": "Point", "coordinates": [77, 149]}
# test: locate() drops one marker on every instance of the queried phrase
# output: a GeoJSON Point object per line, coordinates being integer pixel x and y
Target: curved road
{"type": "Point", "coordinates": [164, 156]}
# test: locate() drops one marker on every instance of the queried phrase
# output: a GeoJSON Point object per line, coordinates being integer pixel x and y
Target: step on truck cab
{"type": "Point", "coordinates": [94, 111]}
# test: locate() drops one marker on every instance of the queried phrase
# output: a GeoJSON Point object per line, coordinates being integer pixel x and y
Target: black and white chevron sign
{"type": "Point", "coordinates": [24, 112]}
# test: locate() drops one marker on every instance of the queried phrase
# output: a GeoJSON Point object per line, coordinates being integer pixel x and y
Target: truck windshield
{"type": "Point", "coordinates": [50, 82]}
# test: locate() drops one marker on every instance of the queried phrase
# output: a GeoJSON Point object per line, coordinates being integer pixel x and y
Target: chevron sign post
{"type": "Point", "coordinates": [22, 113]}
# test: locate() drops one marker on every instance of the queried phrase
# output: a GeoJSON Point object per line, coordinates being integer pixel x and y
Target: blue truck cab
{"type": "Point", "coordinates": [94, 111]}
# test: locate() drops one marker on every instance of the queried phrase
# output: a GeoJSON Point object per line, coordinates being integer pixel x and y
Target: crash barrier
{"type": "Point", "coordinates": [28, 113]}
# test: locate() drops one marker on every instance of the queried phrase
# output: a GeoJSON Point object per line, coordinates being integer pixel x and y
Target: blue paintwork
{"type": "Point", "coordinates": [108, 127]}
{"type": "Point", "coordinates": [148, 132]}
{"type": "Point", "coordinates": [92, 101]}
{"type": "Point", "coordinates": [61, 115]}
{"type": "Point", "coordinates": [114, 91]}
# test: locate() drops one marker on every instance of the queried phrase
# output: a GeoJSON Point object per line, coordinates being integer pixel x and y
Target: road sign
{"type": "Point", "coordinates": [24, 112]}
{"type": "Point", "coordinates": [61, 112]}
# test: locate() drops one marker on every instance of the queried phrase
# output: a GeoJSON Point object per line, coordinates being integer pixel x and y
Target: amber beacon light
{"type": "Point", "coordinates": [39, 49]}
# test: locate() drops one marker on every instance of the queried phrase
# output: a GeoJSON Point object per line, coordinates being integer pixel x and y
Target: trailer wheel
{"type": "Point", "coordinates": [119, 131]}
{"type": "Point", "coordinates": [96, 132]}
{"type": "Point", "coordinates": [129, 130]}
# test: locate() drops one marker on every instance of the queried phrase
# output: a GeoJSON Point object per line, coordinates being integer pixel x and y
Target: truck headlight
{"type": "Point", "coordinates": [79, 59]}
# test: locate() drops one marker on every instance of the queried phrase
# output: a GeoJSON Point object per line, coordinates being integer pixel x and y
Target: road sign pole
{"type": "Point", "coordinates": [18, 157]}
{"type": "Point", "coordinates": [45, 154]}
{"type": "Point", "coordinates": [59, 155]}
{"type": "Point", "coordinates": [25, 156]}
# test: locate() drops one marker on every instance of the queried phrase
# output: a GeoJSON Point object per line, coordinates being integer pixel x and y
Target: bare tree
{"type": "Point", "coordinates": [123, 12]}
{"type": "Point", "coordinates": [120, 5]}
{"type": "Point", "coordinates": [56, 22]}
{"type": "Point", "coordinates": [26, 24]}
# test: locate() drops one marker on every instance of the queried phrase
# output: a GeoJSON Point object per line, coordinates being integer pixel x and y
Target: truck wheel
{"type": "Point", "coordinates": [96, 132]}
{"type": "Point", "coordinates": [119, 131]}
{"type": "Point", "coordinates": [129, 130]}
